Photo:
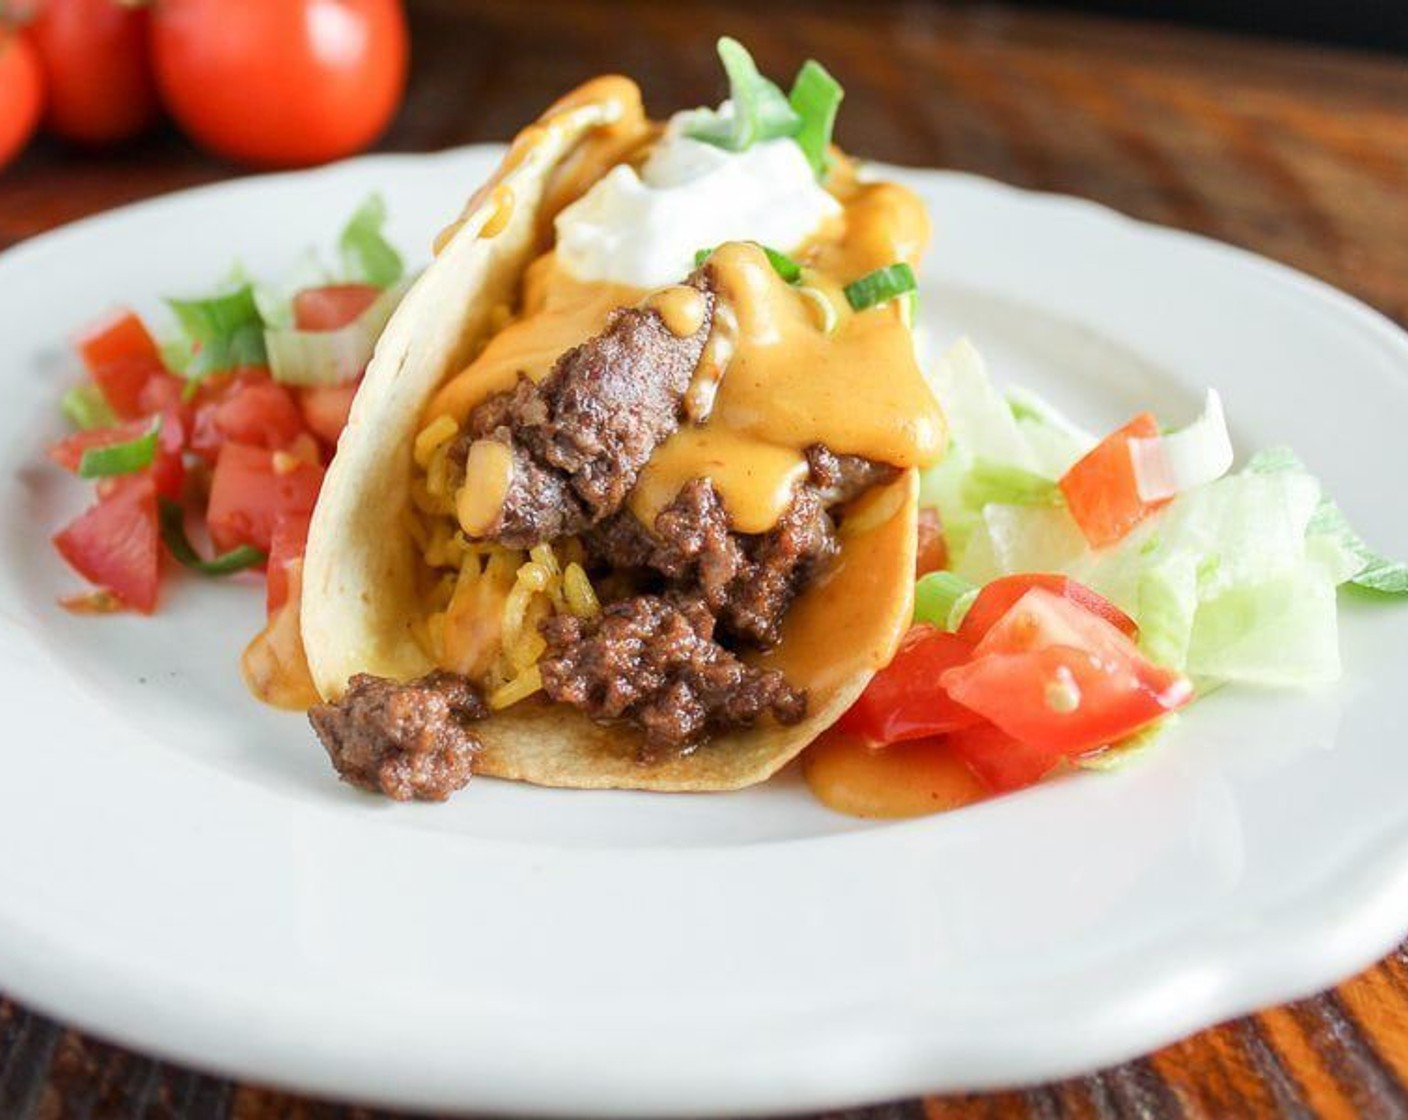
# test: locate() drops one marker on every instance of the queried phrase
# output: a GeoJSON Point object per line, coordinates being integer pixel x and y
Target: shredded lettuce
{"type": "Point", "coordinates": [1281, 630]}
{"type": "Point", "coordinates": [330, 357]}
{"type": "Point", "coordinates": [366, 256]}
{"type": "Point", "coordinates": [987, 482]}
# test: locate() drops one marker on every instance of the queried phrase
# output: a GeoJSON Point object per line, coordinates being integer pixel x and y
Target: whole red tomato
{"type": "Point", "coordinates": [97, 69]}
{"type": "Point", "coordinates": [281, 83]}
{"type": "Point", "coordinates": [21, 93]}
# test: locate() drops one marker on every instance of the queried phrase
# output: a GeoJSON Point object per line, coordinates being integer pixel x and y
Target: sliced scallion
{"type": "Point", "coordinates": [173, 533]}
{"type": "Point", "coordinates": [760, 110]}
{"type": "Point", "coordinates": [121, 458]}
{"type": "Point", "coordinates": [815, 97]}
{"type": "Point", "coordinates": [935, 595]}
{"type": "Point", "coordinates": [881, 286]}
{"type": "Point", "coordinates": [782, 264]}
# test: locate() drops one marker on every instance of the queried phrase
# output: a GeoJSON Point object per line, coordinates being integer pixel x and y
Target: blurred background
{"type": "Point", "coordinates": [1278, 124]}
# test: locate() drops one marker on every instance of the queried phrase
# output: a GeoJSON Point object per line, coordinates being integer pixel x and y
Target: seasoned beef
{"type": "Point", "coordinates": [581, 436]}
{"type": "Point", "coordinates": [747, 580]}
{"type": "Point", "coordinates": [781, 562]}
{"type": "Point", "coordinates": [653, 660]}
{"type": "Point", "coordinates": [840, 478]}
{"type": "Point", "coordinates": [408, 740]}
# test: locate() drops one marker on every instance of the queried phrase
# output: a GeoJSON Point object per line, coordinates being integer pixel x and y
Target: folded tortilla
{"type": "Point", "coordinates": [360, 579]}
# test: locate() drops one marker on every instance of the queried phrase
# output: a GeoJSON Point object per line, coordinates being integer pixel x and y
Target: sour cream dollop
{"type": "Point", "coordinates": [644, 229]}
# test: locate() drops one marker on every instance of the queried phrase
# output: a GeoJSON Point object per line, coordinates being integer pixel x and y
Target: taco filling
{"type": "Point", "coordinates": [676, 432]}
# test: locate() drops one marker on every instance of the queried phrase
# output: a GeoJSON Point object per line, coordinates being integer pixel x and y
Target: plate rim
{"type": "Point", "coordinates": [1368, 915]}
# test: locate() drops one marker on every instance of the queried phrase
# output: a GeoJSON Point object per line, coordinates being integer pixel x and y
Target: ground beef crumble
{"type": "Point", "coordinates": [653, 660]}
{"type": "Point", "coordinates": [408, 741]}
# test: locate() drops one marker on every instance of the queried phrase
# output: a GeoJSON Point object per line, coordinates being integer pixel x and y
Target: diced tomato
{"type": "Point", "coordinates": [289, 542]}
{"type": "Point", "coordinates": [1002, 763]}
{"type": "Point", "coordinates": [1100, 489]}
{"type": "Point", "coordinates": [251, 488]}
{"type": "Point", "coordinates": [933, 549]}
{"type": "Point", "coordinates": [905, 699]}
{"type": "Point", "coordinates": [1059, 678]}
{"type": "Point", "coordinates": [258, 412]}
{"type": "Point", "coordinates": [115, 544]}
{"type": "Point", "coordinates": [997, 598]}
{"type": "Point", "coordinates": [167, 469]}
{"type": "Point", "coordinates": [325, 409]}
{"type": "Point", "coordinates": [327, 309]}
{"type": "Point", "coordinates": [122, 357]}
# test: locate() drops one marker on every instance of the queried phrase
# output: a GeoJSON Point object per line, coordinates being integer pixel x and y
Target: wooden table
{"type": "Point", "coordinates": [1295, 153]}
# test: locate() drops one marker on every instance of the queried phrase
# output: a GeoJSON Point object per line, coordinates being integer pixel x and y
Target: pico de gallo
{"type": "Point", "coordinates": [221, 431]}
{"type": "Point", "coordinates": [1074, 593]}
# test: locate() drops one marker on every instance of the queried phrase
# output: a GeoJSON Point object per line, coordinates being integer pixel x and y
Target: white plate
{"type": "Point", "coordinates": [182, 873]}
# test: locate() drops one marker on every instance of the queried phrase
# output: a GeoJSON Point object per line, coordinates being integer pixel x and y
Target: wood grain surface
{"type": "Point", "coordinates": [1296, 153]}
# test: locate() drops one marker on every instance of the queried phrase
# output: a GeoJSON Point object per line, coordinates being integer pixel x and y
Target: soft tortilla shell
{"type": "Point", "coordinates": [360, 585]}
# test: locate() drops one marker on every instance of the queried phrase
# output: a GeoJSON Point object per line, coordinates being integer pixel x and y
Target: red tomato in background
{"type": "Point", "coordinates": [21, 94]}
{"type": "Point", "coordinates": [999, 596]}
{"type": "Point", "coordinates": [905, 700]}
{"type": "Point", "coordinates": [281, 83]}
{"type": "Point", "coordinates": [116, 543]}
{"type": "Point", "coordinates": [97, 69]}
{"type": "Point", "coordinates": [252, 488]}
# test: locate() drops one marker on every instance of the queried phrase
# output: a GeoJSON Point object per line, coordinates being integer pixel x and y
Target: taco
{"type": "Point", "coordinates": [628, 496]}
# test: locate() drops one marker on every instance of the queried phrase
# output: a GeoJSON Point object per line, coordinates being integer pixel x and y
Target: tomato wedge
{"type": "Point", "coordinates": [122, 357]}
{"type": "Point", "coordinates": [932, 555]}
{"type": "Point", "coordinates": [999, 596]}
{"type": "Point", "coordinates": [286, 547]}
{"type": "Point", "coordinates": [332, 307]}
{"type": "Point", "coordinates": [252, 487]}
{"type": "Point", "coordinates": [258, 412]}
{"type": "Point", "coordinates": [905, 699]}
{"type": "Point", "coordinates": [116, 543]}
{"type": "Point", "coordinates": [326, 408]}
{"type": "Point", "coordinates": [1057, 677]}
{"type": "Point", "coordinates": [1000, 762]}
{"type": "Point", "coordinates": [1101, 491]}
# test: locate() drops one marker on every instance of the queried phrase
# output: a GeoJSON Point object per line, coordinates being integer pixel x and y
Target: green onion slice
{"type": "Point", "coordinates": [330, 357]}
{"type": "Point", "coordinates": [86, 408]}
{"type": "Point", "coordinates": [881, 286]}
{"type": "Point", "coordinates": [367, 256]}
{"type": "Point", "coordinates": [760, 110]}
{"type": "Point", "coordinates": [226, 332]}
{"type": "Point", "coordinates": [173, 533]}
{"type": "Point", "coordinates": [936, 594]}
{"type": "Point", "coordinates": [121, 458]}
{"type": "Point", "coordinates": [782, 264]}
{"type": "Point", "coordinates": [815, 97]}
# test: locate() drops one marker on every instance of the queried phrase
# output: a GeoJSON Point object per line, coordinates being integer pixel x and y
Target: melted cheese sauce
{"type": "Point", "coordinates": [773, 379]}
